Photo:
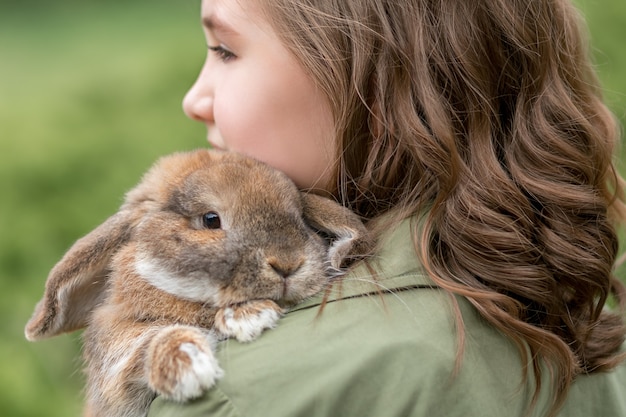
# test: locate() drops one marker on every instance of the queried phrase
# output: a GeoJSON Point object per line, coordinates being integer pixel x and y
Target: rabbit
{"type": "Point", "coordinates": [209, 245]}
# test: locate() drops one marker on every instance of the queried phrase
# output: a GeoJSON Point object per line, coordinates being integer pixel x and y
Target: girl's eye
{"type": "Point", "coordinates": [222, 53]}
{"type": "Point", "coordinates": [211, 220]}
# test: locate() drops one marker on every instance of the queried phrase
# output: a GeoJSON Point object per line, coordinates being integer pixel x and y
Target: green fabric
{"type": "Point", "coordinates": [390, 354]}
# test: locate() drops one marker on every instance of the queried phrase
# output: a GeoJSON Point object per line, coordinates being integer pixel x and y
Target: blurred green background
{"type": "Point", "coordinates": [90, 96]}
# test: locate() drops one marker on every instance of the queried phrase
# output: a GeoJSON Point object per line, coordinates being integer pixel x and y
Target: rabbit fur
{"type": "Point", "coordinates": [209, 245]}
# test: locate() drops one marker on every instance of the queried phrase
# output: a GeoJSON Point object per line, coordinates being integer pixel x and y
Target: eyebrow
{"type": "Point", "coordinates": [213, 23]}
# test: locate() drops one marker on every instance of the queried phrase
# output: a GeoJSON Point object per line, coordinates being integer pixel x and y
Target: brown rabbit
{"type": "Point", "coordinates": [202, 249]}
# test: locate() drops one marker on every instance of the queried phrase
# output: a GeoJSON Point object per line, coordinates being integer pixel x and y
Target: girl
{"type": "Point", "coordinates": [472, 137]}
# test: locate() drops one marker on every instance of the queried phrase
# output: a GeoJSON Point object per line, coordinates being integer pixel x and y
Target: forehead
{"type": "Point", "coordinates": [231, 15]}
{"type": "Point", "coordinates": [236, 179]}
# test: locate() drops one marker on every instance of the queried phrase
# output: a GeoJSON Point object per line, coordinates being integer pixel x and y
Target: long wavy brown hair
{"type": "Point", "coordinates": [486, 118]}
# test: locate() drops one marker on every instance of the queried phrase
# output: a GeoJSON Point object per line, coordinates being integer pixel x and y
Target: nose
{"type": "Point", "coordinates": [198, 102]}
{"type": "Point", "coordinates": [285, 269]}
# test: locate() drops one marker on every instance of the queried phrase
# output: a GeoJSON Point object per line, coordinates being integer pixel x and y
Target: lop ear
{"type": "Point", "coordinates": [347, 235]}
{"type": "Point", "coordinates": [75, 285]}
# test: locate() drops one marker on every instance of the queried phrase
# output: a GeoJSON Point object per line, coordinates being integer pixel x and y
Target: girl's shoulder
{"type": "Point", "coordinates": [381, 343]}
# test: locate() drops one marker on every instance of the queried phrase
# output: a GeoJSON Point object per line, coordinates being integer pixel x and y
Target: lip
{"type": "Point", "coordinates": [214, 139]}
{"type": "Point", "coordinates": [215, 147]}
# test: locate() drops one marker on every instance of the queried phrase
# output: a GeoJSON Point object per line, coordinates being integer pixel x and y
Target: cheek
{"type": "Point", "coordinates": [238, 115]}
{"type": "Point", "coordinates": [282, 122]}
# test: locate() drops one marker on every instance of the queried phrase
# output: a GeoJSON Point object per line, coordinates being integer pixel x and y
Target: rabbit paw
{"type": "Point", "coordinates": [183, 365]}
{"type": "Point", "coordinates": [245, 322]}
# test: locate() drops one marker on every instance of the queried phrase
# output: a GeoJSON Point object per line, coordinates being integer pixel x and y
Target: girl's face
{"type": "Point", "coordinates": [256, 99]}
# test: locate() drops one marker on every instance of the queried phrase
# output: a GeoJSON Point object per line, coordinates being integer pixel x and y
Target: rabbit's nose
{"type": "Point", "coordinates": [285, 269]}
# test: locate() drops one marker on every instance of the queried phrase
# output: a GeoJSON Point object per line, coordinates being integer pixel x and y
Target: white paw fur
{"type": "Point", "coordinates": [201, 375]}
{"type": "Point", "coordinates": [249, 327]}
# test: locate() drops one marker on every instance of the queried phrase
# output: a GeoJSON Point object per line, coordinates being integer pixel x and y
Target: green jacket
{"type": "Point", "coordinates": [387, 355]}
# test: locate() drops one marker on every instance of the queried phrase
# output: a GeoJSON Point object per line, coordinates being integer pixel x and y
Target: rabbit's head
{"type": "Point", "coordinates": [205, 226]}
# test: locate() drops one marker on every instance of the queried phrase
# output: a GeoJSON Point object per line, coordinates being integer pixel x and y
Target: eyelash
{"type": "Point", "coordinates": [222, 53]}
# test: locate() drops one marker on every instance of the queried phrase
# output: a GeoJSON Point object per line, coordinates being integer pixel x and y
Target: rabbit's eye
{"type": "Point", "coordinates": [211, 220]}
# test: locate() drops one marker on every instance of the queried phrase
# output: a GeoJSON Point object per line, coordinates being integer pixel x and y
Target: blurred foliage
{"type": "Point", "coordinates": [90, 96]}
